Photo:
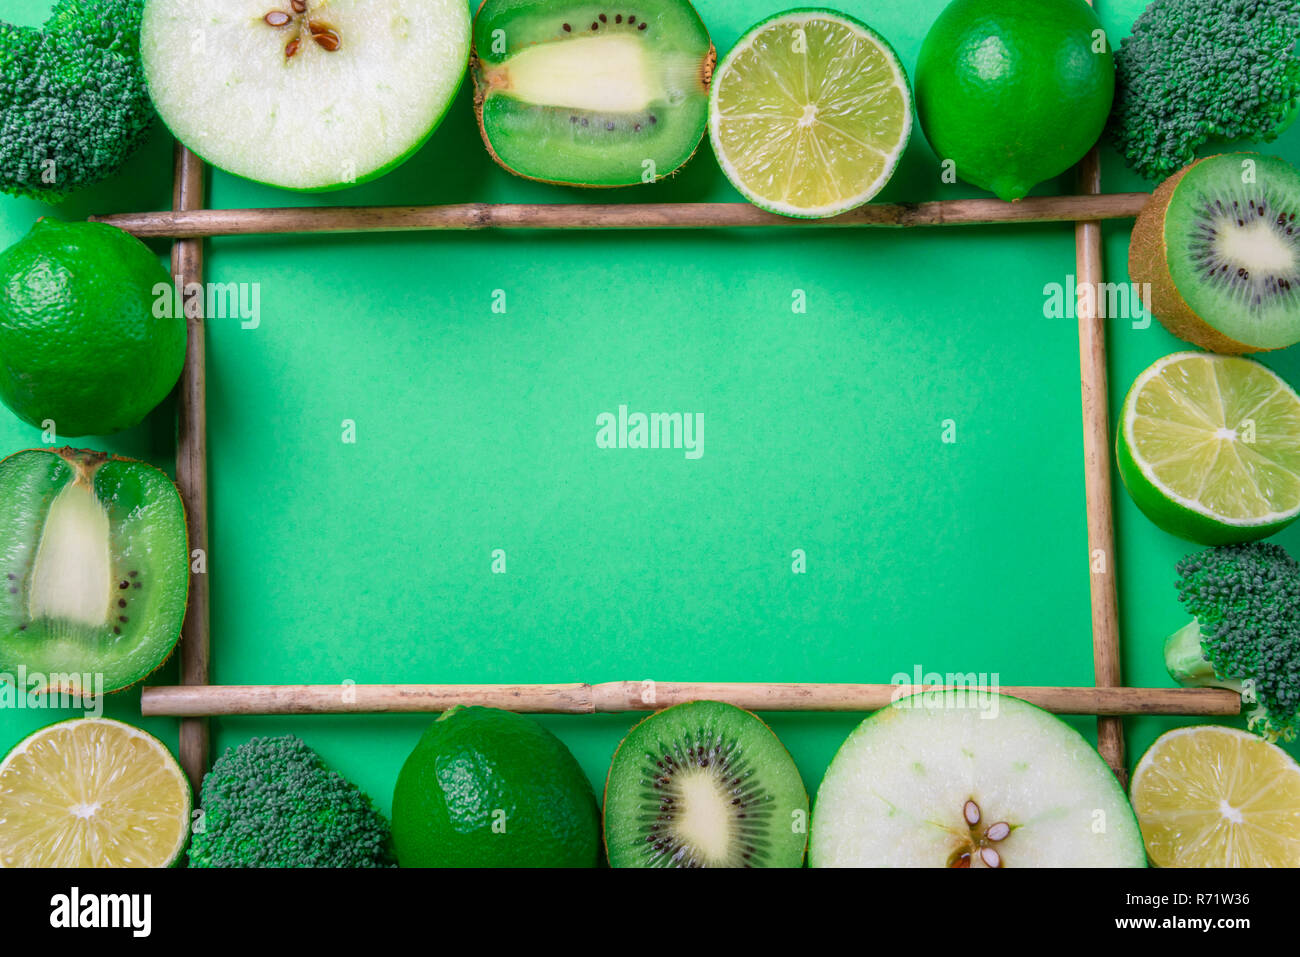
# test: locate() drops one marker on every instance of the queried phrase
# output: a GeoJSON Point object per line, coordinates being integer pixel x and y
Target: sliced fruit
{"type": "Point", "coordinates": [1209, 448]}
{"type": "Point", "coordinates": [308, 94]}
{"type": "Point", "coordinates": [1219, 245]}
{"type": "Point", "coordinates": [1208, 796]}
{"type": "Point", "coordinates": [94, 562]}
{"type": "Point", "coordinates": [92, 793]}
{"type": "Point", "coordinates": [967, 781]}
{"type": "Point", "coordinates": [704, 784]}
{"type": "Point", "coordinates": [488, 788]}
{"type": "Point", "coordinates": [590, 94]}
{"type": "Point", "coordinates": [809, 113]}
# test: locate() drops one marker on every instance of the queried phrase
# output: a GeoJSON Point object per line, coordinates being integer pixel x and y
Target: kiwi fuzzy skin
{"type": "Point", "coordinates": [1148, 263]}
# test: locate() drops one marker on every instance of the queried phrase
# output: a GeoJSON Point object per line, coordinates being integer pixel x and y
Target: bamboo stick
{"type": "Point", "coordinates": [471, 216]}
{"type": "Point", "coordinates": [1096, 468]}
{"type": "Point", "coordinates": [191, 463]}
{"type": "Point", "coordinates": [621, 696]}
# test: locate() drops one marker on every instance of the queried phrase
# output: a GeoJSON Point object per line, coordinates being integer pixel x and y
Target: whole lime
{"type": "Point", "coordinates": [489, 788]}
{"type": "Point", "coordinates": [1014, 92]}
{"type": "Point", "coordinates": [80, 343]}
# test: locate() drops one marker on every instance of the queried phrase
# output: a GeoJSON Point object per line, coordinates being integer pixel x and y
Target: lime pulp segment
{"type": "Point", "coordinates": [1219, 435]}
{"type": "Point", "coordinates": [809, 114]}
{"type": "Point", "coordinates": [1218, 797]}
{"type": "Point", "coordinates": [92, 793]}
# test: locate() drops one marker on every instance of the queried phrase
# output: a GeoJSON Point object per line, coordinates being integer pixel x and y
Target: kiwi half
{"type": "Point", "coordinates": [94, 560]}
{"type": "Point", "coordinates": [704, 784]}
{"type": "Point", "coordinates": [591, 94]}
{"type": "Point", "coordinates": [1219, 245]}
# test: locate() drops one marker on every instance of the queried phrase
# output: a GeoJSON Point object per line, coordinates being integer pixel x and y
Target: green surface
{"type": "Point", "coordinates": [371, 562]}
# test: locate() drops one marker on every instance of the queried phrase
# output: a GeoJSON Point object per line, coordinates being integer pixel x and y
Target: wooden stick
{"type": "Point", "coordinates": [1096, 467]}
{"type": "Point", "coordinates": [191, 463]}
{"type": "Point", "coordinates": [620, 696]}
{"type": "Point", "coordinates": [956, 212]}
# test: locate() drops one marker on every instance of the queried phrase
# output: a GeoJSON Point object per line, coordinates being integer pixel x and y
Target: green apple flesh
{"type": "Point", "coordinates": [988, 781]}
{"type": "Point", "coordinates": [304, 94]}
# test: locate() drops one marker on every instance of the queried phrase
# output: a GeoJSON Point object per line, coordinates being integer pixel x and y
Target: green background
{"type": "Point", "coordinates": [371, 562]}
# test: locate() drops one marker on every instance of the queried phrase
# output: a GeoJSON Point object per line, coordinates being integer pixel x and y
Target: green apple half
{"type": "Point", "coordinates": [970, 780]}
{"type": "Point", "coordinates": [304, 94]}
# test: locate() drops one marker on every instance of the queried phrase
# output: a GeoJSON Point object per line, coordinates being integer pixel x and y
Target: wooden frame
{"type": "Point", "coordinates": [195, 699]}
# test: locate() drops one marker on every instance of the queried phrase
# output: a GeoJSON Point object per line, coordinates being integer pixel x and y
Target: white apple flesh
{"type": "Point", "coordinates": [304, 94]}
{"type": "Point", "coordinates": [976, 782]}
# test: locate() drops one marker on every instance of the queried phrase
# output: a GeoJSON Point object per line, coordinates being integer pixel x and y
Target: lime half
{"type": "Point", "coordinates": [1209, 448]}
{"type": "Point", "coordinates": [809, 113]}
{"type": "Point", "coordinates": [92, 793]}
{"type": "Point", "coordinates": [1207, 796]}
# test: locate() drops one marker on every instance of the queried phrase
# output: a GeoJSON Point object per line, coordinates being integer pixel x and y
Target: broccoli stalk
{"type": "Point", "coordinates": [1197, 70]}
{"type": "Point", "coordinates": [1185, 659]}
{"type": "Point", "coordinates": [272, 802]}
{"type": "Point", "coordinates": [1245, 631]}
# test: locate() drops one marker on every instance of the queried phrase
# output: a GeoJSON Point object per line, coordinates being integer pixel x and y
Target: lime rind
{"type": "Point", "coordinates": [1012, 93]}
{"type": "Point", "coordinates": [503, 763]}
{"type": "Point", "coordinates": [167, 765]}
{"type": "Point", "coordinates": [889, 158]}
{"type": "Point", "coordinates": [1189, 516]}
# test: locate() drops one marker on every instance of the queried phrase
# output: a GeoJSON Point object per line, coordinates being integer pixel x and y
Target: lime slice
{"type": "Point", "coordinates": [1208, 796]}
{"type": "Point", "coordinates": [1209, 448]}
{"type": "Point", "coordinates": [809, 113]}
{"type": "Point", "coordinates": [92, 793]}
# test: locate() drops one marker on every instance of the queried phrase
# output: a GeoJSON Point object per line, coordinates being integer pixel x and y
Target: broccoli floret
{"type": "Point", "coordinates": [73, 101]}
{"type": "Point", "coordinates": [272, 802]}
{"type": "Point", "coordinates": [1245, 633]}
{"type": "Point", "coordinates": [1193, 70]}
